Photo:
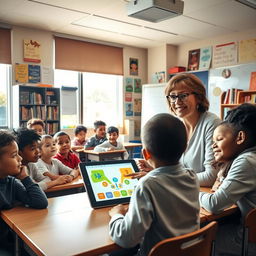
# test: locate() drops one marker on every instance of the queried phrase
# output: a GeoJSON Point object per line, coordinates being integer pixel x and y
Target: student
{"type": "Point", "coordinates": [51, 167]}
{"type": "Point", "coordinates": [63, 144]}
{"type": "Point", "coordinates": [80, 138]}
{"type": "Point", "coordinates": [165, 202]}
{"type": "Point", "coordinates": [234, 141]}
{"type": "Point", "coordinates": [37, 125]}
{"type": "Point", "coordinates": [29, 151]}
{"type": "Point", "coordinates": [99, 137]}
{"type": "Point", "coordinates": [112, 143]}
{"type": "Point", "coordinates": [15, 184]}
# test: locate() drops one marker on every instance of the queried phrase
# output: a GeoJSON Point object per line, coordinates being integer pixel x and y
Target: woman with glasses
{"type": "Point", "coordinates": [186, 97]}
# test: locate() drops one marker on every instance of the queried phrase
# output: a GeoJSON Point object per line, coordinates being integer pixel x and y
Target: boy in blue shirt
{"type": "Point", "coordinates": [165, 202]}
{"type": "Point", "coordinates": [99, 137]}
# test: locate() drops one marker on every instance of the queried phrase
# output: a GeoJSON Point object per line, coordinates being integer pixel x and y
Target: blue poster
{"type": "Point", "coordinates": [34, 74]}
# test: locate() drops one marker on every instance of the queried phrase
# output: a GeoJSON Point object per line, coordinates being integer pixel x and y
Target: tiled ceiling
{"type": "Point", "coordinates": [107, 20]}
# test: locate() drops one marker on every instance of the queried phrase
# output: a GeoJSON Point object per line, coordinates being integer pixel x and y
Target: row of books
{"type": "Point", "coordinates": [32, 112]}
{"type": "Point", "coordinates": [52, 128]}
{"type": "Point", "coordinates": [27, 97]}
{"type": "Point", "coordinates": [231, 96]}
{"type": "Point", "coordinates": [53, 113]}
{"type": "Point", "coordinates": [250, 98]}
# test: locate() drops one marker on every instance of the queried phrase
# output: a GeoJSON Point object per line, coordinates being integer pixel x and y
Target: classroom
{"type": "Point", "coordinates": [108, 67]}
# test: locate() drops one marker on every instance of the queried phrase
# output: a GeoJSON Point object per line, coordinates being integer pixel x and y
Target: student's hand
{"type": "Point", "coordinates": [61, 180]}
{"type": "Point", "coordinates": [118, 209]}
{"type": "Point", "coordinates": [69, 178]}
{"type": "Point", "coordinates": [136, 175]}
{"type": "Point", "coordinates": [23, 173]}
{"type": "Point", "coordinates": [143, 165]}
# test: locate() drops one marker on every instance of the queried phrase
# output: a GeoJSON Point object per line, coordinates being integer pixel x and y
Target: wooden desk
{"type": "Point", "coordinates": [69, 226]}
{"type": "Point", "coordinates": [75, 186]}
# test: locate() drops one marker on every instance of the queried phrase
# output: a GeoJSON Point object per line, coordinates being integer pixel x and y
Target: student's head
{"type": "Point", "coordinates": [63, 142]}
{"type": "Point", "coordinates": [191, 95]}
{"type": "Point", "coordinates": [37, 125]}
{"type": "Point", "coordinates": [100, 129]}
{"type": "Point", "coordinates": [28, 141]}
{"type": "Point", "coordinates": [10, 160]}
{"type": "Point", "coordinates": [236, 133]}
{"type": "Point", "coordinates": [80, 132]}
{"type": "Point", "coordinates": [47, 147]}
{"type": "Point", "coordinates": [113, 134]}
{"type": "Point", "coordinates": [164, 139]}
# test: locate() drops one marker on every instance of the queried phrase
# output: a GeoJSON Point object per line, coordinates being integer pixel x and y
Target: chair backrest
{"type": "Point", "coordinates": [197, 243]}
{"type": "Point", "coordinates": [249, 231]}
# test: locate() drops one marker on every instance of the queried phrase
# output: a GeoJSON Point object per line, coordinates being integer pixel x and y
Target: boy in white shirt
{"type": "Point", "coordinates": [112, 143]}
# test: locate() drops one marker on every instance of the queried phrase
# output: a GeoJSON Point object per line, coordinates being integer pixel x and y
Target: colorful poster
{"type": "Point", "coordinates": [137, 125]}
{"type": "Point", "coordinates": [128, 84]}
{"type": "Point", "coordinates": [128, 109]}
{"type": "Point", "coordinates": [134, 66]}
{"type": "Point", "coordinates": [193, 59]}
{"type": "Point", "coordinates": [137, 85]}
{"type": "Point", "coordinates": [224, 55]}
{"type": "Point", "coordinates": [21, 73]}
{"type": "Point", "coordinates": [205, 58]}
{"type": "Point", "coordinates": [137, 107]}
{"type": "Point", "coordinates": [128, 96]}
{"type": "Point", "coordinates": [32, 51]}
{"type": "Point", "coordinates": [34, 74]}
{"type": "Point", "coordinates": [247, 50]}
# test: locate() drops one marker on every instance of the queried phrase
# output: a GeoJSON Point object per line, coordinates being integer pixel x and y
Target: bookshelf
{"type": "Point", "coordinates": [237, 97]}
{"type": "Point", "coordinates": [36, 102]}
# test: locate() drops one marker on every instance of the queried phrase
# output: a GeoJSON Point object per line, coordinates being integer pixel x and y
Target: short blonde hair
{"type": "Point", "coordinates": [35, 121]}
{"type": "Point", "coordinates": [194, 84]}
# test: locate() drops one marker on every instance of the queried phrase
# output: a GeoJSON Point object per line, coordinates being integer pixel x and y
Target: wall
{"type": "Point", "coordinates": [182, 59]}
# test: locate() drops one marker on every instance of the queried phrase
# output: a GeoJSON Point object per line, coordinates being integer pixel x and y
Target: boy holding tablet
{"type": "Point", "coordinates": [165, 202]}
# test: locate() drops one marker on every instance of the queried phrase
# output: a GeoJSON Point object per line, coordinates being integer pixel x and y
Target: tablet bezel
{"type": "Point", "coordinates": [88, 187]}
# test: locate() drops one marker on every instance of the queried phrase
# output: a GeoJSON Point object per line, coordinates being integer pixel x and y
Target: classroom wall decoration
{"type": "Point", "coordinates": [205, 58]}
{"type": "Point", "coordinates": [193, 59]}
{"type": "Point", "coordinates": [224, 55]}
{"type": "Point", "coordinates": [134, 66]}
{"type": "Point", "coordinates": [137, 85]}
{"type": "Point", "coordinates": [129, 109]}
{"type": "Point", "coordinates": [158, 77]}
{"type": "Point", "coordinates": [128, 84]}
{"type": "Point", "coordinates": [32, 50]}
{"type": "Point", "coordinates": [247, 50]}
{"type": "Point", "coordinates": [26, 73]}
{"type": "Point", "coordinates": [137, 107]}
{"type": "Point", "coordinates": [128, 96]}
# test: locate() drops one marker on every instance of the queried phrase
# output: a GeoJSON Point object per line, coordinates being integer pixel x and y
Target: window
{"type": "Point", "coordinates": [102, 99]}
{"type": "Point", "coordinates": [98, 97]}
{"type": "Point", "coordinates": [5, 71]}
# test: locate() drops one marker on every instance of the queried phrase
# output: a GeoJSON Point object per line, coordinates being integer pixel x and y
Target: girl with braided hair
{"type": "Point", "coordinates": [234, 146]}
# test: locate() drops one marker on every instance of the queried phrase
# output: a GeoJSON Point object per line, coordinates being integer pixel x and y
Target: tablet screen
{"type": "Point", "coordinates": [106, 182]}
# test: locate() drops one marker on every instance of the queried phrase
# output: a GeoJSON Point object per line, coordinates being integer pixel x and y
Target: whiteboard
{"type": "Point", "coordinates": [153, 101]}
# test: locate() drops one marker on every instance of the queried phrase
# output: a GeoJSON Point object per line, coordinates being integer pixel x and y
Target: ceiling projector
{"type": "Point", "coordinates": [154, 10]}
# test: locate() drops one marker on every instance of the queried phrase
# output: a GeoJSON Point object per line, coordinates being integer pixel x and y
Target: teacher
{"type": "Point", "coordinates": [186, 97]}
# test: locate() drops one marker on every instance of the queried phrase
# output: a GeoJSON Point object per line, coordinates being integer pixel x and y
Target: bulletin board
{"type": "Point", "coordinates": [218, 82]}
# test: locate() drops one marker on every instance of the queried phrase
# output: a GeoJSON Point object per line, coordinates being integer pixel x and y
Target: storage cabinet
{"type": "Point", "coordinates": [36, 102]}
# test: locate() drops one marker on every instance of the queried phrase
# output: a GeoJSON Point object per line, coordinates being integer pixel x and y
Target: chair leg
{"type": "Point", "coordinates": [245, 243]}
{"type": "Point", "coordinates": [213, 248]}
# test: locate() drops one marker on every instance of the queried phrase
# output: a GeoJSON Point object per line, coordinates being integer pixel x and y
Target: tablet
{"type": "Point", "coordinates": [106, 183]}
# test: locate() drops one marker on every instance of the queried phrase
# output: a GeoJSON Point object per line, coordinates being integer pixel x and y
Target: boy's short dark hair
{"type": "Point", "coordinates": [112, 129]}
{"type": "Point", "coordinates": [6, 138]}
{"type": "Point", "coordinates": [243, 118]}
{"type": "Point", "coordinates": [35, 121]}
{"type": "Point", "coordinates": [26, 137]}
{"type": "Point", "coordinates": [60, 133]}
{"type": "Point", "coordinates": [165, 137]}
{"type": "Point", "coordinates": [98, 123]}
{"type": "Point", "coordinates": [80, 128]}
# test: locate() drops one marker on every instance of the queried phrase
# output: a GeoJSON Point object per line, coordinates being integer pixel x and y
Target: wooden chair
{"type": "Point", "coordinates": [197, 243]}
{"type": "Point", "coordinates": [249, 234]}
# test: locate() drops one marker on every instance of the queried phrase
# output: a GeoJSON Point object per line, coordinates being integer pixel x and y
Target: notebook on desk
{"type": "Point", "coordinates": [106, 182]}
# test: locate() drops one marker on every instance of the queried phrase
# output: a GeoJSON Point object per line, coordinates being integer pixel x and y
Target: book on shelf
{"type": "Point", "coordinates": [252, 86]}
{"type": "Point", "coordinates": [227, 96]}
{"type": "Point", "coordinates": [231, 96]}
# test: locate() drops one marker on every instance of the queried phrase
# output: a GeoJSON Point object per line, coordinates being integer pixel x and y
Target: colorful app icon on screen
{"type": "Point", "coordinates": [130, 192]}
{"type": "Point", "coordinates": [109, 195]}
{"type": "Point", "coordinates": [124, 192]}
{"type": "Point", "coordinates": [101, 195]}
{"type": "Point", "coordinates": [116, 193]}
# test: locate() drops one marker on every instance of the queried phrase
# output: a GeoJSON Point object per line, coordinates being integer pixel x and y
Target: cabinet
{"type": "Point", "coordinates": [36, 102]}
{"type": "Point", "coordinates": [241, 97]}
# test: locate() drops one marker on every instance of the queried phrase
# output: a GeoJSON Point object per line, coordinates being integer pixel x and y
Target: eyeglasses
{"type": "Point", "coordinates": [182, 97]}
